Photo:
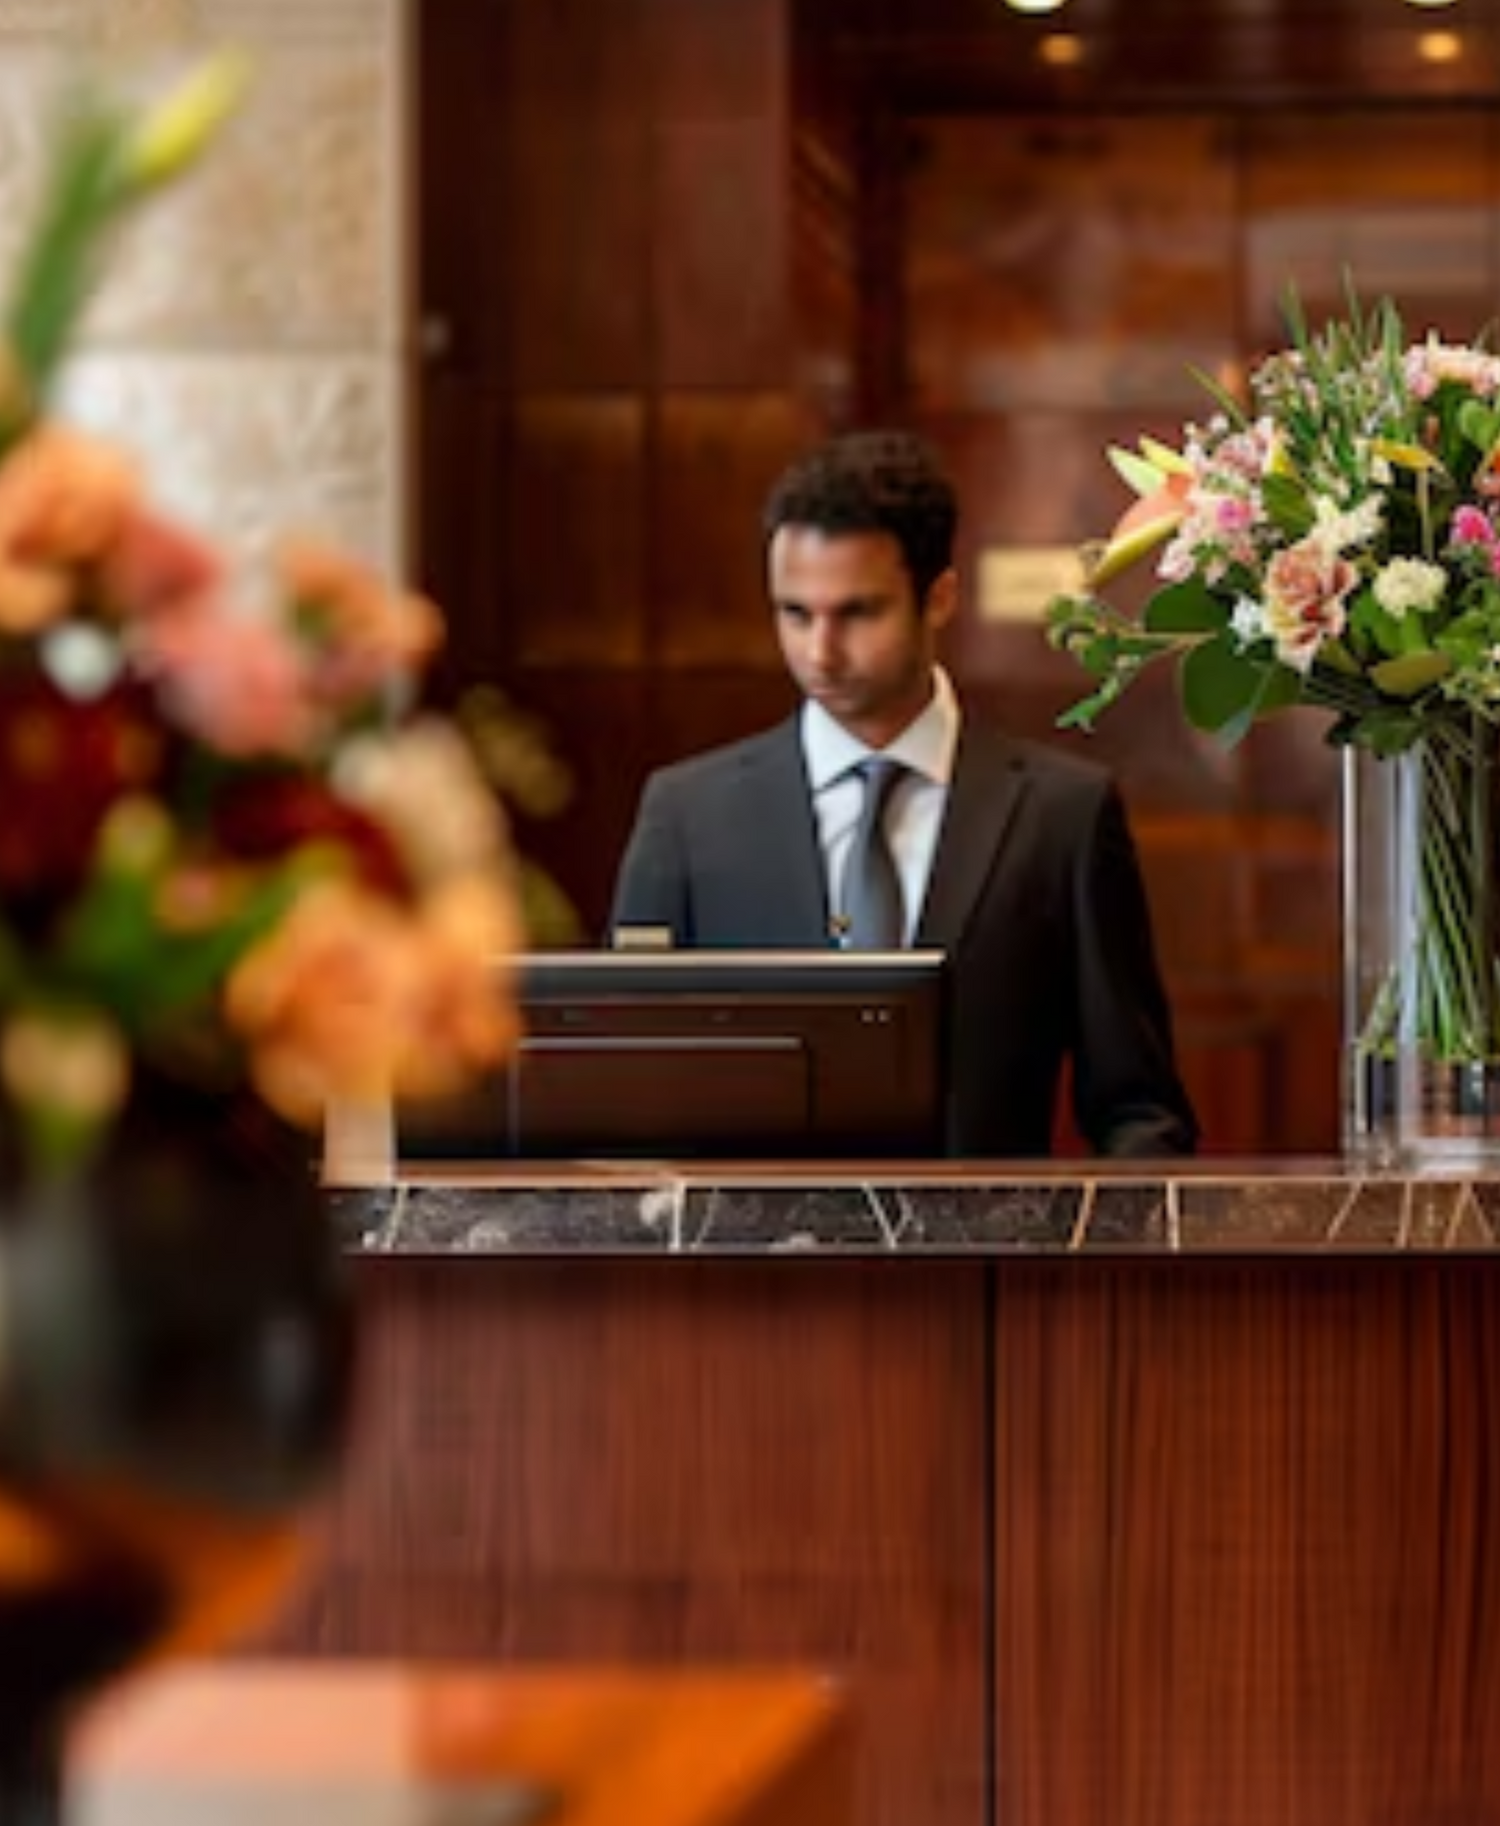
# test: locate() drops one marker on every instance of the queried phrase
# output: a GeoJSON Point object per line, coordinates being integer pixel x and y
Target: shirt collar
{"type": "Point", "coordinates": [927, 745]}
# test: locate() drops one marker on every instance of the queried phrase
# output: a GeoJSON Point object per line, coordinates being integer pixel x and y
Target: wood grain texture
{"type": "Point", "coordinates": [1246, 1552]}
{"type": "Point", "coordinates": [573, 461]}
{"type": "Point", "coordinates": [717, 455]}
{"type": "Point", "coordinates": [746, 1462]}
{"type": "Point", "coordinates": [1122, 1545]}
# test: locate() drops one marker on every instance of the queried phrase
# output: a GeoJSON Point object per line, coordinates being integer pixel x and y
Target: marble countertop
{"type": "Point", "coordinates": [1201, 1208]}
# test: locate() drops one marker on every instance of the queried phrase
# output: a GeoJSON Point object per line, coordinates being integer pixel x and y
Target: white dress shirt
{"type": "Point", "coordinates": [926, 748]}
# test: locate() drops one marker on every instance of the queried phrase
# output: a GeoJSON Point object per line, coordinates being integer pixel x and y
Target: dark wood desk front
{"type": "Point", "coordinates": [1115, 1501]}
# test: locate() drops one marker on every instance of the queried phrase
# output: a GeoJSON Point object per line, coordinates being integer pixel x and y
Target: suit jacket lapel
{"type": "Point", "coordinates": [989, 779]}
{"type": "Point", "coordinates": [782, 846]}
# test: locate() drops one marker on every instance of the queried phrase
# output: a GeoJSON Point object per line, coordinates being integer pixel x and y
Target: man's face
{"type": "Point", "coordinates": [852, 632]}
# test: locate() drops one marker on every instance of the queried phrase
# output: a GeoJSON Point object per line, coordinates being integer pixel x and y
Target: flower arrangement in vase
{"type": "Point", "coordinates": [237, 884]}
{"type": "Point", "coordinates": [1334, 542]}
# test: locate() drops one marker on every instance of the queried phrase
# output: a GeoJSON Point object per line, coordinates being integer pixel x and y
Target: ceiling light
{"type": "Point", "coordinates": [1062, 50]}
{"type": "Point", "coordinates": [1429, 2]}
{"type": "Point", "coordinates": [1042, 6]}
{"type": "Point", "coordinates": [1440, 47]}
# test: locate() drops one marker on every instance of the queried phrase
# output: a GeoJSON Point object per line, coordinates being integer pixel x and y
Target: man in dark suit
{"type": "Point", "coordinates": [1015, 860]}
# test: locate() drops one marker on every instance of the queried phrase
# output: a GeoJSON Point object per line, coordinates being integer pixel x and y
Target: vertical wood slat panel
{"type": "Point", "coordinates": [1247, 1545]}
{"type": "Point", "coordinates": [1244, 1515]}
{"type": "Point", "coordinates": [681, 1462]}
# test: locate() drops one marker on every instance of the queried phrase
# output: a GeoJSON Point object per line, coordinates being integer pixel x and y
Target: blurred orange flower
{"type": "Point", "coordinates": [220, 841]}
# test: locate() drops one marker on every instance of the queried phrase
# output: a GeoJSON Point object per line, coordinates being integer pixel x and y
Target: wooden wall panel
{"type": "Point", "coordinates": [573, 508]}
{"type": "Point", "coordinates": [722, 307]}
{"type": "Point", "coordinates": [458, 467]}
{"type": "Point", "coordinates": [1055, 260]}
{"type": "Point", "coordinates": [592, 719]}
{"type": "Point", "coordinates": [717, 454]}
{"type": "Point", "coordinates": [569, 245]}
{"type": "Point", "coordinates": [724, 62]}
{"type": "Point", "coordinates": [681, 1462]}
{"type": "Point", "coordinates": [1418, 230]}
{"type": "Point", "coordinates": [1246, 1545]}
{"type": "Point", "coordinates": [690, 711]}
{"type": "Point", "coordinates": [462, 60]}
{"type": "Point", "coordinates": [722, 304]}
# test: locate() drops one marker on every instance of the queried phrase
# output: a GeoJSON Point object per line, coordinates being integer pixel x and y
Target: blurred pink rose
{"type": "Point", "coordinates": [234, 681]}
{"type": "Point", "coordinates": [155, 566]}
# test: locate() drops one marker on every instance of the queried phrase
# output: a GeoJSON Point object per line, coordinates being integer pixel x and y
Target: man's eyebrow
{"type": "Point", "coordinates": [851, 605]}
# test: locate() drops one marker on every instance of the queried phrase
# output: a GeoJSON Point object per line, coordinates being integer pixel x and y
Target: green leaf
{"type": "Point", "coordinates": [1478, 424]}
{"type": "Point", "coordinates": [115, 950]}
{"type": "Point", "coordinates": [1337, 657]}
{"type": "Point", "coordinates": [1283, 688]}
{"type": "Point", "coordinates": [1232, 408]}
{"type": "Point", "coordinates": [59, 267]}
{"type": "Point", "coordinates": [1222, 689]}
{"type": "Point", "coordinates": [1392, 635]}
{"type": "Point", "coordinates": [1287, 505]}
{"type": "Point", "coordinates": [1386, 732]}
{"type": "Point", "coordinates": [1186, 608]}
{"type": "Point", "coordinates": [1411, 673]}
{"type": "Point", "coordinates": [1083, 714]}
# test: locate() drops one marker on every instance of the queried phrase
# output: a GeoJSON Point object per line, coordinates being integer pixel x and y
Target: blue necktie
{"type": "Point", "coordinates": [872, 909]}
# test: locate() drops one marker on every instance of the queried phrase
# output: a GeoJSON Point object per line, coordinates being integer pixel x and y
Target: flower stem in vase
{"type": "Point", "coordinates": [1429, 1047]}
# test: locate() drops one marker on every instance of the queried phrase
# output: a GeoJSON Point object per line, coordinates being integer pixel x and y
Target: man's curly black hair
{"type": "Point", "coordinates": [874, 482]}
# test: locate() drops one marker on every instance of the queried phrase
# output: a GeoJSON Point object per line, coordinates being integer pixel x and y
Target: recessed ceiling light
{"type": "Point", "coordinates": [1440, 47]}
{"type": "Point", "coordinates": [1063, 50]}
{"type": "Point", "coordinates": [1429, 2]}
{"type": "Point", "coordinates": [1042, 6]}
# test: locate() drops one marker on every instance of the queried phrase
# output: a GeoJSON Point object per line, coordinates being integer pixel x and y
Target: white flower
{"type": "Point", "coordinates": [1337, 529]}
{"type": "Point", "coordinates": [421, 783]}
{"type": "Point", "coordinates": [1410, 583]}
{"type": "Point", "coordinates": [1248, 622]}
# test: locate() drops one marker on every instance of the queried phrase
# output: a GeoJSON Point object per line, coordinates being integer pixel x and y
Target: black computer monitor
{"type": "Point", "coordinates": [709, 1054]}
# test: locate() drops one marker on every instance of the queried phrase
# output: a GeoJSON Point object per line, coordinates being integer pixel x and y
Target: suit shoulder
{"type": "Point", "coordinates": [1061, 772]}
{"type": "Point", "coordinates": [715, 766]}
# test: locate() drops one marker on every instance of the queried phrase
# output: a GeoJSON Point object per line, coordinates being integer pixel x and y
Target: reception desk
{"type": "Point", "coordinates": [1114, 1499]}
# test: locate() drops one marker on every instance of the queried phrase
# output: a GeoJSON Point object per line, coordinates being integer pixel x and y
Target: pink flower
{"type": "Point", "coordinates": [1432, 363]}
{"type": "Point", "coordinates": [1235, 514]}
{"type": "Point", "coordinates": [155, 566]}
{"type": "Point", "coordinates": [1471, 526]}
{"type": "Point", "coordinates": [1304, 600]}
{"type": "Point", "coordinates": [364, 635]}
{"type": "Point", "coordinates": [234, 681]}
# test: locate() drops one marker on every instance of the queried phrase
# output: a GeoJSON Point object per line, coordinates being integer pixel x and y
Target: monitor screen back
{"type": "Point", "coordinates": [708, 1055]}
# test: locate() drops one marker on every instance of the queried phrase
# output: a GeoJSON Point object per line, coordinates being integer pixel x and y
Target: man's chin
{"type": "Point", "coordinates": [837, 700]}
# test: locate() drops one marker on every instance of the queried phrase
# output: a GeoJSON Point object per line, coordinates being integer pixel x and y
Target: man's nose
{"type": "Point", "coordinates": [823, 644]}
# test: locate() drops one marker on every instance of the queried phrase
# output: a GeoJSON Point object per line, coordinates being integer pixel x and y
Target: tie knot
{"type": "Point", "coordinates": [880, 774]}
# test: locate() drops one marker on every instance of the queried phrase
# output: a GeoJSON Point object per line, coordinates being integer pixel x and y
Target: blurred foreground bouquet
{"type": "Point", "coordinates": [220, 856]}
{"type": "Point", "coordinates": [1336, 543]}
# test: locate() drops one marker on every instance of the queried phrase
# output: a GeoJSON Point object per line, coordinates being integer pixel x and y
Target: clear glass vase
{"type": "Point", "coordinates": [1421, 990]}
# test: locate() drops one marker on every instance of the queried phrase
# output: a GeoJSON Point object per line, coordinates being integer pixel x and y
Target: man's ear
{"type": "Point", "coordinates": [942, 599]}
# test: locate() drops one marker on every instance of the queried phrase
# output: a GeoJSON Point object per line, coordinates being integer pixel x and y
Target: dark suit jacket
{"type": "Point", "coordinates": [1035, 896]}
